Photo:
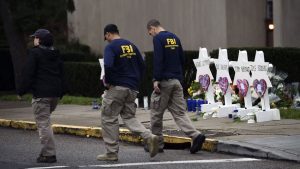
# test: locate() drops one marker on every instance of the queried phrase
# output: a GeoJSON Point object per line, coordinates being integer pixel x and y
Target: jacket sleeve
{"type": "Point", "coordinates": [28, 74]}
{"type": "Point", "coordinates": [157, 59]}
{"type": "Point", "coordinates": [108, 64]}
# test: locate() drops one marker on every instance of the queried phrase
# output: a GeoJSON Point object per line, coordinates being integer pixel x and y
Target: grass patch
{"type": "Point", "coordinates": [79, 100]}
{"type": "Point", "coordinates": [13, 97]}
{"type": "Point", "coordinates": [290, 113]}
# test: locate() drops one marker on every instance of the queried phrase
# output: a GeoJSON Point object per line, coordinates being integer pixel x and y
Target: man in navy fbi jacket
{"type": "Point", "coordinates": [124, 67]}
{"type": "Point", "coordinates": [168, 71]}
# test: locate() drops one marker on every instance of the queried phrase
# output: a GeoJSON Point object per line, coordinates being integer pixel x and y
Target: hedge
{"type": "Point", "coordinates": [7, 81]}
{"type": "Point", "coordinates": [78, 57]}
{"type": "Point", "coordinates": [83, 78]}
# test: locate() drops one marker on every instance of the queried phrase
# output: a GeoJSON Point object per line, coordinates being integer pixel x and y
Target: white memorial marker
{"type": "Point", "coordinates": [101, 61]}
{"type": "Point", "coordinates": [224, 80]}
{"type": "Point", "coordinates": [242, 79]}
{"type": "Point", "coordinates": [261, 83]}
{"type": "Point", "coordinates": [204, 77]}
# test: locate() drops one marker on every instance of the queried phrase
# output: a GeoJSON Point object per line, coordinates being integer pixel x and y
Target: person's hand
{"type": "Point", "coordinates": [156, 86]}
{"type": "Point", "coordinates": [107, 86]}
{"type": "Point", "coordinates": [19, 97]}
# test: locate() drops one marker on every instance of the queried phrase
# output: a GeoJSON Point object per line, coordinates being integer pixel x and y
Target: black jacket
{"type": "Point", "coordinates": [43, 74]}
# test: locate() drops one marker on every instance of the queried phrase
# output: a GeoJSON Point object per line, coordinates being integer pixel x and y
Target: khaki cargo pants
{"type": "Point", "coordinates": [171, 98]}
{"type": "Point", "coordinates": [42, 109]}
{"type": "Point", "coordinates": [119, 101]}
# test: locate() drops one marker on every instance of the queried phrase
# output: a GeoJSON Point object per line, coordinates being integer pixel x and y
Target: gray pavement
{"type": "Point", "coordinates": [275, 139]}
{"type": "Point", "coordinates": [78, 152]}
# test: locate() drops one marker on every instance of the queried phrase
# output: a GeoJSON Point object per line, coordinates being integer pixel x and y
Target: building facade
{"type": "Point", "coordinates": [198, 23]}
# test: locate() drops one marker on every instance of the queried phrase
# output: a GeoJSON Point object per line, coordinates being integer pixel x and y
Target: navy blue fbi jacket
{"type": "Point", "coordinates": [123, 64]}
{"type": "Point", "coordinates": [168, 58]}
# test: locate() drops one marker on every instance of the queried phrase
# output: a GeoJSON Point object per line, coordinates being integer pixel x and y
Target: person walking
{"type": "Point", "coordinates": [43, 76]}
{"type": "Point", "coordinates": [168, 63]}
{"type": "Point", "coordinates": [124, 68]}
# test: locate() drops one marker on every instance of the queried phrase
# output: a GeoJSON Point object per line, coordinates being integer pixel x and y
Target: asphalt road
{"type": "Point", "coordinates": [19, 149]}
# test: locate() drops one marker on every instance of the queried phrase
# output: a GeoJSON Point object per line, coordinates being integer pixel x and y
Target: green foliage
{"type": "Point", "coordinates": [13, 97]}
{"type": "Point", "coordinates": [7, 81]}
{"type": "Point", "coordinates": [194, 119]}
{"type": "Point", "coordinates": [74, 47]}
{"type": "Point", "coordinates": [83, 78]}
{"type": "Point", "coordinates": [78, 57]}
{"type": "Point", "coordinates": [146, 85]}
{"type": "Point", "coordinates": [79, 100]}
{"type": "Point", "coordinates": [194, 88]}
{"type": "Point", "coordinates": [76, 52]}
{"type": "Point", "coordinates": [30, 15]}
{"type": "Point", "coordinates": [237, 120]}
{"type": "Point", "coordinates": [290, 113]}
{"type": "Point", "coordinates": [285, 101]}
{"type": "Point", "coordinates": [189, 69]}
{"type": "Point", "coordinates": [67, 99]}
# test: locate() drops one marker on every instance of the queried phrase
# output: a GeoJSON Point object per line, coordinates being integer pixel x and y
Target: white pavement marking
{"type": "Point", "coordinates": [48, 167]}
{"type": "Point", "coordinates": [172, 162]}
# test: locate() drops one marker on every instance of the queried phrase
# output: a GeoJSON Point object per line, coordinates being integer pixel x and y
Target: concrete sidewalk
{"type": "Point", "coordinates": [274, 140]}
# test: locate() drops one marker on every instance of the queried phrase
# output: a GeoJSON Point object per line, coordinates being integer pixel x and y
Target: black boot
{"type": "Point", "coordinates": [197, 143]}
{"type": "Point", "coordinates": [46, 159]}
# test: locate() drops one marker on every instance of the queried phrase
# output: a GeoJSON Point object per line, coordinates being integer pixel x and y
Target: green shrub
{"type": "Point", "coordinates": [78, 57]}
{"type": "Point", "coordinates": [83, 78]}
{"type": "Point", "coordinates": [74, 47]}
{"type": "Point", "coordinates": [76, 52]}
{"type": "Point", "coordinates": [7, 81]}
{"type": "Point", "coordinates": [67, 99]}
{"type": "Point", "coordinates": [290, 113]}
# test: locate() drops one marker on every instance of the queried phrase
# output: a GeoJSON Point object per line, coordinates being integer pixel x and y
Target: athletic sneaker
{"type": "Point", "coordinates": [152, 143]}
{"type": "Point", "coordinates": [107, 157]}
{"type": "Point", "coordinates": [160, 150]}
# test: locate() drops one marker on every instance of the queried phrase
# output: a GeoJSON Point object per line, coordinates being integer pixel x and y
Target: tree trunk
{"type": "Point", "coordinates": [15, 40]}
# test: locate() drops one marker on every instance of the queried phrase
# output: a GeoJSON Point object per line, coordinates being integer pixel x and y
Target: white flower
{"type": "Point", "coordinates": [235, 98]}
{"type": "Point", "coordinates": [196, 93]}
{"type": "Point", "coordinates": [280, 86]}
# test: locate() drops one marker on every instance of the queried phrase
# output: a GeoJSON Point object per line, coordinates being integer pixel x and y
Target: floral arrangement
{"type": "Point", "coordinates": [195, 91]}
{"type": "Point", "coordinates": [283, 93]}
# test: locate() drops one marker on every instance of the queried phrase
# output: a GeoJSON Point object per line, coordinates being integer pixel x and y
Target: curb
{"type": "Point", "coordinates": [124, 134]}
{"type": "Point", "coordinates": [241, 148]}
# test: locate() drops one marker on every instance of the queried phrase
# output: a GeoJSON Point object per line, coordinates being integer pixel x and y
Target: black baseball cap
{"type": "Point", "coordinates": [110, 28]}
{"type": "Point", "coordinates": [41, 33]}
{"type": "Point", "coordinates": [45, 36]}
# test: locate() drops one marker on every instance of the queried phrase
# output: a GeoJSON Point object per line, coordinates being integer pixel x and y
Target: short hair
{"type": "Point", "coordinates": [153, 22]}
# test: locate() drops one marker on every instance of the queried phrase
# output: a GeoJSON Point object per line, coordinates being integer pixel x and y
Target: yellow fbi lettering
{"type": "Point", "coordinates": [127, 51]}
{"type": "Point", "coordinates": [127, 48]}
{"type": "Point", "coordinates": [171, 43]}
